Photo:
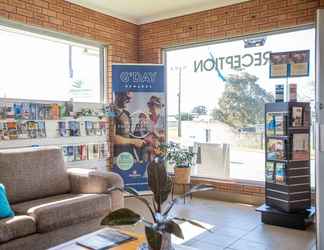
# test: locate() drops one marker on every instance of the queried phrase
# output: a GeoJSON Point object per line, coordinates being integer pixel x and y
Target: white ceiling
{"type": "Point", "coordinates": [145, 11]}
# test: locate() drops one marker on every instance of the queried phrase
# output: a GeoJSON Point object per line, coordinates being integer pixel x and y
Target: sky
{"type": "Point", "coordinates": [205, 88]}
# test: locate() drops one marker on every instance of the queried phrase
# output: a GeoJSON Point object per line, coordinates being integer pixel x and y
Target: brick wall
{"type": "Point", "coordinates": [250, 17]}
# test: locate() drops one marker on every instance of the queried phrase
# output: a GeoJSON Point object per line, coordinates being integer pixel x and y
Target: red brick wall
{"type": "Point", "coordinates": [62, 16]}
{"type": "Point", "coordinates": [250, 17]}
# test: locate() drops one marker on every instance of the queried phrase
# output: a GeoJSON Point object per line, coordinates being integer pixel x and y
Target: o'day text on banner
{"type": "Point", "coordinates": [140, 121]}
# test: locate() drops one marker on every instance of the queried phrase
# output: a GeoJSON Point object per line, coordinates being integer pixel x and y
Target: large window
{"type": "Point", "coordinates": [46, 68]}
{"type": "Point", "coordinates": [218, 92]}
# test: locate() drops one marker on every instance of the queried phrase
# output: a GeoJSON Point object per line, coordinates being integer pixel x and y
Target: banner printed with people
{"type": "Point", "coordinates": [140, 122]}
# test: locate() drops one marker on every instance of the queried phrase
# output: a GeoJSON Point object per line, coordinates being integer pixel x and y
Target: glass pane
{"type": "Point", "coordinates": [223, 88]}
{"type": "Point", "coordinates": [41, 68]}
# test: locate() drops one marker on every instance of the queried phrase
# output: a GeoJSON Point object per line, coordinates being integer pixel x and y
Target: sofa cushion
{"type": "Point", "coordinates": [16, 227]}
{"type": "Point", "coordinates": [33, 173]}
{"type": "Point", "coordinates": [5, 209]}
{"type": "Point", "coordinates": [63, 210]}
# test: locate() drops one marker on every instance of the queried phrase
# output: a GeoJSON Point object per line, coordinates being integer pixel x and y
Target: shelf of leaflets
{"type": "Point", "coordinates": [80, 129]}
{"type": "Point", "coordinates": [287, 170]}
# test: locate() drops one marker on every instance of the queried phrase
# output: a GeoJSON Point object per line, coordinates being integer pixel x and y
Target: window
{"type": "Point", "coordinates": [220, 90]}
{"type": "Point", "coordinates": [46, 68]}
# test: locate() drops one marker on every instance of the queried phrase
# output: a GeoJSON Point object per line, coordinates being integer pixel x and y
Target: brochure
{"type": "Point", "coordinates": [104, 239]}
{"type": "Point", "coordinates": [269, 171]}
{"type": "Point", "coordinates": [297, 116]}
{"type": "Point", "coordinates": [77, 153]}
{"type": "Point", "coordinates": [74, 128]}
{"type": "Point", "coordinates": [276, 149]}
{"type": "Point", "coordinates": [62, 129]}
{"type": "Point", "coordinates": [300, 149]}
{"type": "Point", "coordinates": [280, 173]}
{"type": "Point", "coordinates": [83, 151]}
{"type": "Point", "coordinates": [270, 124]}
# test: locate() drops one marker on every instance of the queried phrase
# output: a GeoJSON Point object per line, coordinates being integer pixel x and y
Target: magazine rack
{"type": "Point", "coordinates": [287, 170]}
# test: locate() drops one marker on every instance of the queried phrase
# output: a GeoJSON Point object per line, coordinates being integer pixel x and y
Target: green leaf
{"type": "Point", "coordinates": [159, 182]}
{"type": "Point", "coordinates": [120, 217]}
{"type": "Point", "coordinates": [192, 222]}
{"type": "Point", "coordinates": [154, 239]}
{"type": "Point", "coordinates": [173, 228]}
{"type": "Point", "coordinates": [133, 191]}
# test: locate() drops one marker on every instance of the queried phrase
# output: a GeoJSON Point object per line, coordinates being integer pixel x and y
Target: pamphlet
{"type": "Point", "coordinates": [280, 173]}
{"type": "Point", "coordinates": [276, 149]}
{"type": "Point", "coordinates": [269, 171]}
{"type": "Point", "coordinates": [104, 239]}
{"type": "Point", "coordinates": [300, 149]}
{"type": "Point", "coordinates": [297, 116]}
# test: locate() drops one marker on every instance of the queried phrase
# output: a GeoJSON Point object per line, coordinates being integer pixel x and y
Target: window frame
{"type": "Point", "coordinates": [69, 39]}
{"type": "Point", "coordinates": [166, 49]}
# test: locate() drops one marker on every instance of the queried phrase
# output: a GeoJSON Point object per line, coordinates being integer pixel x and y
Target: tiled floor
{"type": "Point", "coordinates": [235, 227]}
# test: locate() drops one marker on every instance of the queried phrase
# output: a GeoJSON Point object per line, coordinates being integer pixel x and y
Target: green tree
{"type": "Point", "coordinates": [242, 102]}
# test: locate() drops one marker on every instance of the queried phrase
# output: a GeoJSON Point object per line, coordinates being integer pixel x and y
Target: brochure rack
{"type": "Point", "coordinates": [80, 129]}
{"type": "Point", "coordinates": [287, 133]}
{"type": "Point", "coordinates": [287, 170]}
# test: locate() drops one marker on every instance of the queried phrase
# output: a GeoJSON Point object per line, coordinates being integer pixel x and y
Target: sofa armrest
{"type": "Point", "coordinates": [93, 181]}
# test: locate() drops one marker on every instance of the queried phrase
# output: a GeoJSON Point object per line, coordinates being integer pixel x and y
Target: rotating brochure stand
{"type": "Point", "coordinates": [287, 169]}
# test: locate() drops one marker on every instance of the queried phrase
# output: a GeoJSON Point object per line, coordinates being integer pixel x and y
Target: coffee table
{"type": "Point", "coordinates": [130, 245]}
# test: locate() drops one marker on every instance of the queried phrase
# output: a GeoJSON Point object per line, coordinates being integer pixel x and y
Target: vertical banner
{"type": "Point", "coordinates": [140, 122]}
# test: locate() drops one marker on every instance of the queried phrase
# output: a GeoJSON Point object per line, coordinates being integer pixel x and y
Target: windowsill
{"type": "Point", "coordinates": [253, 188]}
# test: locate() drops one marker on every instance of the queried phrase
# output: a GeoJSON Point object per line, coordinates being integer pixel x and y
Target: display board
{"type": "Point", "coordinates": [80, 129]}
{"type": "Point", "coordinates": [140, 125]}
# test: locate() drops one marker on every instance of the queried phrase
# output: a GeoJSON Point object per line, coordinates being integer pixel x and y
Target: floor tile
{"type": "Point", "coordinates": [205, 246]}
{"type": "Point", "coordinates": [235, 226]}
{"type": "Point", "coordinates": [247, 245]}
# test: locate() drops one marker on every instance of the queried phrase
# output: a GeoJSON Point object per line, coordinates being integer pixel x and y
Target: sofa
{"type": "Point", "coordinates": [52, 204]}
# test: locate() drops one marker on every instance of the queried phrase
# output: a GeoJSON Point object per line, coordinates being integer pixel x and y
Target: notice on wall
{"type": "Point", "coordinates": [140, 122]}
{"type": "Point", "coordinates": [289, 64]}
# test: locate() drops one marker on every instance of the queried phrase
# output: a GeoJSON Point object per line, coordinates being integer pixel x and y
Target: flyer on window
{"type": "Point", "coordinates": [279, 65]}
{"type": "Point", "coordinates": [140, 122]}
{"type": "Point", "coordinates": [299, 63]}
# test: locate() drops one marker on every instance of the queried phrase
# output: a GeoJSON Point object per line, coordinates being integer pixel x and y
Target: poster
{"type": "Point", "coordinates": [299, 63]}
{"type": "Point", "coordinates": [140, 121]}
{"type": "Point", "coordinates": [279, 64]}
{"type": "Point", "coordinates": [289, 64]}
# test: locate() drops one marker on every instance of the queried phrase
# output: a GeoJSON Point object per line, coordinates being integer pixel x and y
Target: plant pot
{"type": "Point", "coordinates": [153, 240]}
{"type": "Point", "coordinates": [182, 175]}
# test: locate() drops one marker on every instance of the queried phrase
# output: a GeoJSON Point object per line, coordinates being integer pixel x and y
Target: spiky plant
{"type": "Point", "coordinates": [162, 222]}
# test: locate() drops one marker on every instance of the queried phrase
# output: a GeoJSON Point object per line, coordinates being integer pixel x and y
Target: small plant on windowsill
{"type": "Point", "coordinates": [158, 230]}
{"type": "Point", "coordinates": [182, 160]}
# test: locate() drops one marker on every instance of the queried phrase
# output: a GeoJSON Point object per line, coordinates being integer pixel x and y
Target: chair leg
{"type": "Point", "coordinates": [172, 191]}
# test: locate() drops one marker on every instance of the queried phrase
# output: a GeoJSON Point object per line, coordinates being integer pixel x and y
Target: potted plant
{"type": "Point", "coordinates": [182, 160]}
{"type": "Point", "coordinates": [158, 230]}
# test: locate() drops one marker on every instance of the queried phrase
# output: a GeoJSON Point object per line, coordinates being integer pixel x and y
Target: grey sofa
{"type": "Point", "coordinates": [52, 204]}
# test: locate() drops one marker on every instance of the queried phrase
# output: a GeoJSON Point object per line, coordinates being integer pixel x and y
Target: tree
{"type": "Point", "coordinates": [200, 110]}
{"type": "Point", "coordinates": [242, 102]}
